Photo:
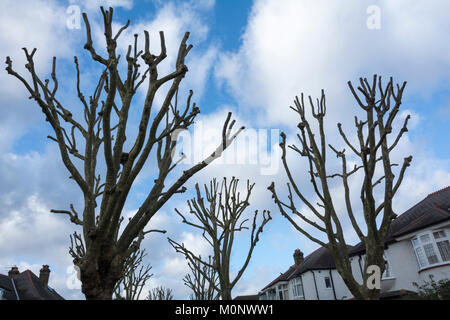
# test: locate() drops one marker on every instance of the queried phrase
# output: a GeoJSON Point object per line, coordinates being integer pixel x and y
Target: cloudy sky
{"type": "Point", "coordinates": [249, 57]}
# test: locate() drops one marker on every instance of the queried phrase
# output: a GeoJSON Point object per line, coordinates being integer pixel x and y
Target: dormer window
{"type": "Point", "coordinates": [432, 248]}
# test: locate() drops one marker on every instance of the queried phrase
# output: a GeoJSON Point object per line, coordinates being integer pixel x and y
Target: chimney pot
{"type": "Point", "coordinates": [44, 275]}
{"type": "Point", "coordinates": [298, 257]}
{"type": "Point", "coordinates": [13, 272]}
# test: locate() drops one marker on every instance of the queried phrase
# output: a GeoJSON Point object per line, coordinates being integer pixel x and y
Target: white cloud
{"type": "Point", "coordinates": [32, 24]}
{"type": "Point", "coordinates": [203, 4]}
{"type": "Point", "coordinates": [31, 223]}
{"type": "Point", "coordinates": [174, 27]}
{"type": "Point", "coordinates": [304, 46]}
{"type": "Point", "coordinates": [309, 45]}
{"type": "Point", "coordinates": [93, 5]}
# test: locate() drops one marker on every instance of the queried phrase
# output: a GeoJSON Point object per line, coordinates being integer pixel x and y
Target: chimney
{"type": "Point", "coordinates": [298, 257]}
{"type": "Point", "coordinates": [44, 275]}
{"type": "Point", "coordinates": [13, 272]}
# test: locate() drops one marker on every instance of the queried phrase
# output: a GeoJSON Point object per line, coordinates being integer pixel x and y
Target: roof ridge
{"type": "Point", "coordinates": [439, 191]}
{"type": "Point", "coordinates": [428, 196]}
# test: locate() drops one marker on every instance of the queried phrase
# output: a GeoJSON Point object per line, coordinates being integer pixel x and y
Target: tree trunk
{"type": "Point", "coordinates": [96, 286]}
{"type": "Point", "coordinates": [226, 295]}
{"type": "Point", "coordinates": [99, 293]}
{"type": "Point", "coordinates": [374, 257]}
{"type": "Point", "coordinates": [99, 277]}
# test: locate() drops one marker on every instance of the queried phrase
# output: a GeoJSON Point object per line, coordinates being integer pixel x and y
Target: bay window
{"type": "Point", "coordinates": [432, 248]}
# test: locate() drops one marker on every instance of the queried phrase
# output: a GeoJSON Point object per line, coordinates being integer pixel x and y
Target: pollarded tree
{"type": "Point", "coordinates": [380, 105]}
{"type": "Point", "coordinates": [103, 248]}
{"type": "Point", "coordinates": [219, 219]}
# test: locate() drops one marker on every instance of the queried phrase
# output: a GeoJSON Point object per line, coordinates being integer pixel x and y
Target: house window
{"type": "Point", "coordinates": [283, 292]}
{"type": "Point", "coordinates": [432, 248]}
{"type": "Point", "coordinates": [443, 244]}
{"type": "Point", "coordinates": [387, 268]}
{"type": "Point", "coordinates": [327, 283]}
{"type": "Point", "coordinates": [270, 294]}
{"type": "Point", "coordinates": [298, 288]}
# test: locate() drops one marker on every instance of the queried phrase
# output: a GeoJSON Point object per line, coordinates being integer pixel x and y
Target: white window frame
{"type": "Point", "coordinates": [419, 246]}
{"type": "Point", "coordinates": [283, 288]}
{"type": "Point", "coordinates": [297, 282]}
{"type": "Point", "coordinates": [272, 294]}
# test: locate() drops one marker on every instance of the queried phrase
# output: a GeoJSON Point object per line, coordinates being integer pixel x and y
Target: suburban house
{"type": "Point", "coordinates": [417, 246]}
{"type": "Point", "coordinates": [27, 286]}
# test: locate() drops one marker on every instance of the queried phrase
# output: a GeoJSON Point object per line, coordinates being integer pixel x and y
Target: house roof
{"type": "Point", "coordinates": [7, 288]}
{"type": "Point", "coordinates": [282, 277]}
{"type": "Point", "coordinates": [28, 287]}
{"type": "Point", "coordinates": [317, 260]}
{"type": "Point", "coordinates": [432, 210]}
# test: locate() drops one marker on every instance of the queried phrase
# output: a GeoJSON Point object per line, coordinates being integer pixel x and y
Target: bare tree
{"type": "Point", "coordinates": [218, 224]}
{"type": "Point", "coordinates": [373, 149]}
{"type": "Point", "coordinates": [135, 275]}
{"type": "Point", "coordinates": [160, 293]}
{"type": "Point", "coordinates": [203, 281]}
{"type": "Point", "coordinates": [101, 250]}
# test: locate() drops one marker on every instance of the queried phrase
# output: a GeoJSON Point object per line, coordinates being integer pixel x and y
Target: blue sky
{"type": "Point", "coordinates": [249, 57]}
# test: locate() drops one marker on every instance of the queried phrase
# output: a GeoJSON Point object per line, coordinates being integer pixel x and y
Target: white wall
{"type": "Point", "coordinates": [404, 267]}
{"type": "Point", "coordinates": [342, 291]}
{"type": "Point", "coordinates": [308, 286]}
